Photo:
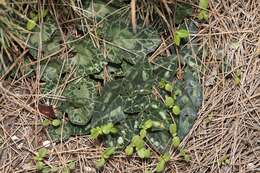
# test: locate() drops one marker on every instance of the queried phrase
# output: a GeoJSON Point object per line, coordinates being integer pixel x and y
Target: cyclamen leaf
{"type": "Point", "coordinates": [80, 96]}
{"type": "Point", "coordinates": [160, 140]}
{"type": "Point", "coordinates": [89, 59]}
{"type": "Point", "coordinates": [128, 102]}
{"type": "Point", "coordinates": [100, 9]}
{"type": "Point", "coordinates": [47, 34]}
{"type": "Point", "coordinates": [79, 116]}
{"type": "Point", "coordinates": [51, 71]}
{"type": "Point", "coordinates": [182, 11]}
{"type": "Point", "coordinates": [127, 45]}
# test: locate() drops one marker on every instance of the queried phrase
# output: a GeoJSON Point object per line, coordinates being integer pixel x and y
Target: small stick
{"type": "Point", "coordinates": [133, 14]}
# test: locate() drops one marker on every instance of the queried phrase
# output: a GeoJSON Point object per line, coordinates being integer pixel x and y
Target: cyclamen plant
{"type": "Point", "coordinates": [126, 115]}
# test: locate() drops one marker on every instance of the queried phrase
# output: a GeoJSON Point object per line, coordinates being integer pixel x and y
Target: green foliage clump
{"type": "Point", "coordinates": [105, 155]}
{"type": "Point", "coordinates": [41, 166]}
{"type": "Point", "coordinates": [162, 162]}
{"type": "Point", "coordinates": [126, 113]}
{"type": "Point", "coordinates": [203, 12]}
{"type": "Point", "coordinates": [102, 130]}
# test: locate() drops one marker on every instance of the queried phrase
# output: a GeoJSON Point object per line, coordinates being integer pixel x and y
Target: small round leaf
{"type": "Point", "coordinates": [173, 129]}
{"type": "Point", "coordinates": [176, 110]}
{"type": "Point", "coordinates": [129, 150]}
{"type": "Point", "coordinates": [138, 142]}
{"type": "Point", "coordinates": [100, 163]}
{"type": "Point", "coordinates": [46, 122]}
{"type": "Point", "coordinates": [176, 141]}
{"type": "Point", "coordinates": [56, 122]}
{"type": "Point", "coordinates": [143, 133]}
{"type": "Point", "coordinates": [169, 102]}
{"type": "Point", "coordinates": [148, 124]}
{"type": "Point", "coordinates": [160, 166]}
{"type": "Point", "coordinates": [143, 153]}
{"type": "Point", "coordinates": [168, 87]}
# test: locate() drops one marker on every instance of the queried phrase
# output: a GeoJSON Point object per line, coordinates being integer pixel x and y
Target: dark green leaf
{"type": "Point", "coordinates": [127, 45]}
{"type": "Point", "coordinates": [182, 11]}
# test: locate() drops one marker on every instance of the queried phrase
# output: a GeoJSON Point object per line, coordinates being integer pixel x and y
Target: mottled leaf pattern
{"type": "Point", "coordinates": [132, 99]}
{"type": "Point", "coordinates": [80, 95]}
{"type": "Point", "coordinates": [88, 58]}
{"type": "Point", "coordinates": [50, 42]}
{"type": "Point", "coordinates": [122, 44]}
